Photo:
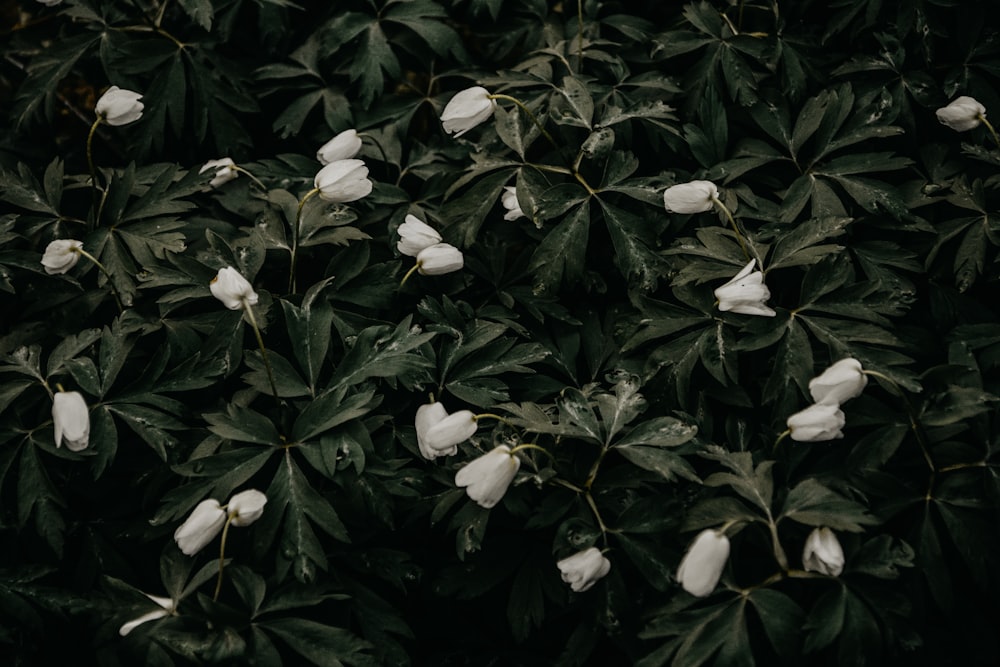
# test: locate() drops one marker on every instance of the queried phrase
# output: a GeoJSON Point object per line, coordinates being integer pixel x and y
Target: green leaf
{"type": "Point", "coordinates": [659, 432]}
{"type": "Point", "coordinates": [322, 645]}
{"type": "Point", "coordinates": [243, 425]}
{"type": "Point", "coordinates": [813, 504]}
{"type": "Point", "coordinates": [560, 255]}
{"type": "Point", "coordinates": [663, 462]}
{"type": "Point", "coordinates": [330, 410]}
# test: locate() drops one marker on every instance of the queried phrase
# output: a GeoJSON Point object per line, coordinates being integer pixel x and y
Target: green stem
{"type": "Point", "coordinates": [90, 162]}
{"type": "Point", "coordinates": [579, 35]}
{"type": "Point", "coordinates": [253, 178]}
{"type": "Point", "coordinates": [732, 221]}
{"type": "Point", "coordinates": [490, 415]}
{"type": "Point", "coordinates": [531, 445]}
{"type": "Point", "coordinates": [295, 238]}
{"type": "Point", "coordinates": [779, 551]}
{"type": "Point", "coordinates": [527, 111]}
{"type": "Point", "coordinates": [248, 309]}
{"type": "Point", "coordinates": [597, 515]}
{"type": "Point", "coordinates": [781, 437]}
{"type": "Point", "coordinates": [989, 127]}
{"type": "Point", "coordinates": [408, 274]}
{"type": "Point", "coordinates": [107, 274]}
{"type": "Point", "coordinates": [222, 558]}
{"type": "Point", "coordinates": [914, 421]}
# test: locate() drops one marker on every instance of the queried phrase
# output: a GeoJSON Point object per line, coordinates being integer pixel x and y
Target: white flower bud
{"type": "Point", "coordinates": [451, 430]}
{"type": "Point", "coordinates": [817, 423]}
{"type": "Point", "coordinates": [509, 201]}
{"type": "Point", "coordinates": [201, 527]}
{"type": "Point", "coordinates": [487, 477]}
{"type": "Point", "coordinates": [584, 568]}
{"type": "Point", "coordinates": [167, 607]}
{"type": "Point", "coordinates": [693, 197]}
{"type": "Point", "coordinates": [343, 181]}
{"type": "Point", "coordinates": [429, 415]}
{"type": "Point", "coordinates": [702, 565]}
{"type": "Point", "coordinates": [840, 382]}
{"type": "Point", "coordinates": [232, 289]}
{"type": "Point", "coordinates": [71, 420]}
{"type": "Point", "coordinates": [823, 553]}
{"type": "Point", "coordinates": [466, 110]}
{"type": "Point", "coordinates": [415, 235]}
{"type": "Point", "coordinates": [745, 293]}
{"type": "Point", "coordinates": [61, 255]}
{"type": "Point", "coordinates": [119, 107]}
{"type": "Point", "coordinates": [439, 258]}
{"type": "Point", "coordinates": [224, 171]}
{"type": "Point", "coordinates": [246, 507]}
{"type": "Point", "coordinates": [342, 147]}
{"type": "Point", "coordinates": [963, 114]}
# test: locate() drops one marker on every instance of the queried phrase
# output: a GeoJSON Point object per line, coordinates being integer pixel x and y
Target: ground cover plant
{"type": "Point", "coordinates": [503, 332]}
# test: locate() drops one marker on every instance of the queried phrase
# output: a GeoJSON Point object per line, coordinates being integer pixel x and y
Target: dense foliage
{"type": "Point", "coordinates": [581, 321]}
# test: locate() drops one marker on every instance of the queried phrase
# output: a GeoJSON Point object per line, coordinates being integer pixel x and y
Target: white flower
{"type": "Point", "coordinates": [119, 107]}
{"type": "Point", "coordinates": [224, 171]}
{"type": "Point", "coordinates": [50, 3]}
{"type": "Point", "coordinates": [201, 527]}
{"type": "Point", "coordinates": [745, 293]}
{"type": "Point", "coordinates": [823, 553]}
{"type": "Point", "coordinates": [817, 423]}
{"type": "Point", "coordinates": [693, 197]}
{"type": "Point", "coordinates": [444, 434]}
{"type": "Point", "coordinates": [584, 568]}
{"type": "Point", "coordinates": [509, 201]}
{"type": "Point", "coordinates": [964, 113]}
{"type": "Point", "coordinates": [71, 420]}
{"type": "Point", "coordinates": [702, 565]}
{"type": "Point", "coordinates": [429, 415]}
{"type": "Point", "coordinates": [342, 147]}
{"type": "Point", "coordinates": [840, 382]}
{"type": "Point", "coordinates": [232, 289]}
{"type": "Point", "coordinates": [343, 181]}
{"type": "Point", "coordinates": [246, 507]}
{"type": "Point", "coordinates": [466, 110]}
{"type": "Point", "coordinates": [168, 607]}
{"type": "Point", "coordinates": [439, 258]}
{"type": "Point", "coordinates": [415, 235]}
{"type": "Point", "coordinates": [487, 477]}
{"type": "Point", "coordinates": [61, 255]}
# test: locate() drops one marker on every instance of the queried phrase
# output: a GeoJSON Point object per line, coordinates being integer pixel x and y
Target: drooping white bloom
{"type": "Point", "coordinates": [201, 527]}
{"type": "Point", "coordinates": [466, 110]}
{"type": "Point", "coordinates": [817, 423]}
{"type": "Point", "coordinates": [702, 565]}
{"type": "Point", "coordinates": [167, 608]}
{"type": "Point", "coordinates": [415, 235]}
{"type": "Point", "coordinates": [963, 114]}
{"type": "Point", "coordinates": [342, 147]}
{"type": "Point", "coordinates": [487, 477]}
{"type": "Point", "coordinates": [823, 553]}
{"type": "Point", "coordinates": [61, 255]}
{"type": "Point", "coordinates": [840, 382]}
{"type": "Point", "coordinates": [429, 415]}
{"type": "Point", "coordinates": [224, 171]}
{"type": "Point", "coordinates": [246, 507]}
{"type": "Point", "coordinates": [232, 289]}
{"type": "Point", "coordinates": [343, 181]}
{"type": "Point", "coordinates": [444, 434]}
{"type": "Point", "coordinates": [746, 293]}
{"type": "Point", "coordinates": [119, 107]}
{"type": "Point", "coordinates": [49, 3]}
{"type": "Point", "coordinates": [509, 201]}
{"type": "Point", "coordinates": [439, 258]}
{"type": "Point", "coordinates": [71, 420]}
{"type": "Point", "coordinates": [584, 568]}
{"type": "Point", "coordinates": [693, 197]}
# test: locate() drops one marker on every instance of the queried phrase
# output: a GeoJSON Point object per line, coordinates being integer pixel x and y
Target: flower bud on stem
{"type": "Point", "coordinates": [107, 274]}
{"type": "Point", "coordinates": [253, 178]}
{"type": "Point", "coordinates": [295, 237]}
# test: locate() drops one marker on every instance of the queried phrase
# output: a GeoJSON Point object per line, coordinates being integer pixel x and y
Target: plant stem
{"type": "Point", "coordinates": [531, 445]}
{"type": "Point", "coordinates": [527, 111]}
{"type": "Point", "coordinates": [408, 274]}
{"type": "Point", "coordinates": [579, 35]}
{"type": "Point", "coordinates": [90, 162]}
{"type": "Point", "coordinates": [295, 238]}
{"type": "Point", "coordinates": [732, 221]}
{"type": "Point", "coordinates": [490, 415]}
{"type": "Point", "coordinates": [989, 127]}
{"type": "Point", "coordinates": [597, 515]}
{"type": "Point", "coordinates": [248, 309]}
{"type": "Point", "coordinates": [222, 558]}
{"type": "Point", "coordinates": [107, 274]}
{"type": "Point", "coordinates": [253, 178]}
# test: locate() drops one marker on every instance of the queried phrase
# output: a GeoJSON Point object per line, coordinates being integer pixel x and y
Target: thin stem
{"type": "Point", "coordinates": [527, 111]}
{"type": "Point", "coordinates": [90, 160]}
{"type": "Point", "coordinates": [549, 167]}
{"type": "Point", "coordinates": [295, 238]}
{"type": "Point", "coordinates": [579, 35]}
{"type": "Point", "coordinates": [732, 221]}
{"type": "Point", "coordinates": [912, 415]}
{"type": "Point", "coordinates": [253, 178]}
{"type": "Point", "coordinates": [107, 274]}
{"type": "Point", "coordinates": [248, 309]}
{"type": "Point", "coordinates": [531, 445]}
{"type": "Point", "coordinates": [408, 274]}
{"type": "Point", "coordinates": [989, 127]}
{"type": "Point", "coordinates": [597, 515]}
{"type": "Point", "coordinates": [592, 475]}
{"type": "Point", "coordinates": [781, 437]}
{"type": "Point", "coordinates": [779, 551]}
{"type": "Point", "coordinates": [381, 150]}
{"type": "Point", "coordinates": [222, 557]}
{"type": "Point", "coordinates": [490, 415]}
{"type": "Point", "coordinates": [568, 485]}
